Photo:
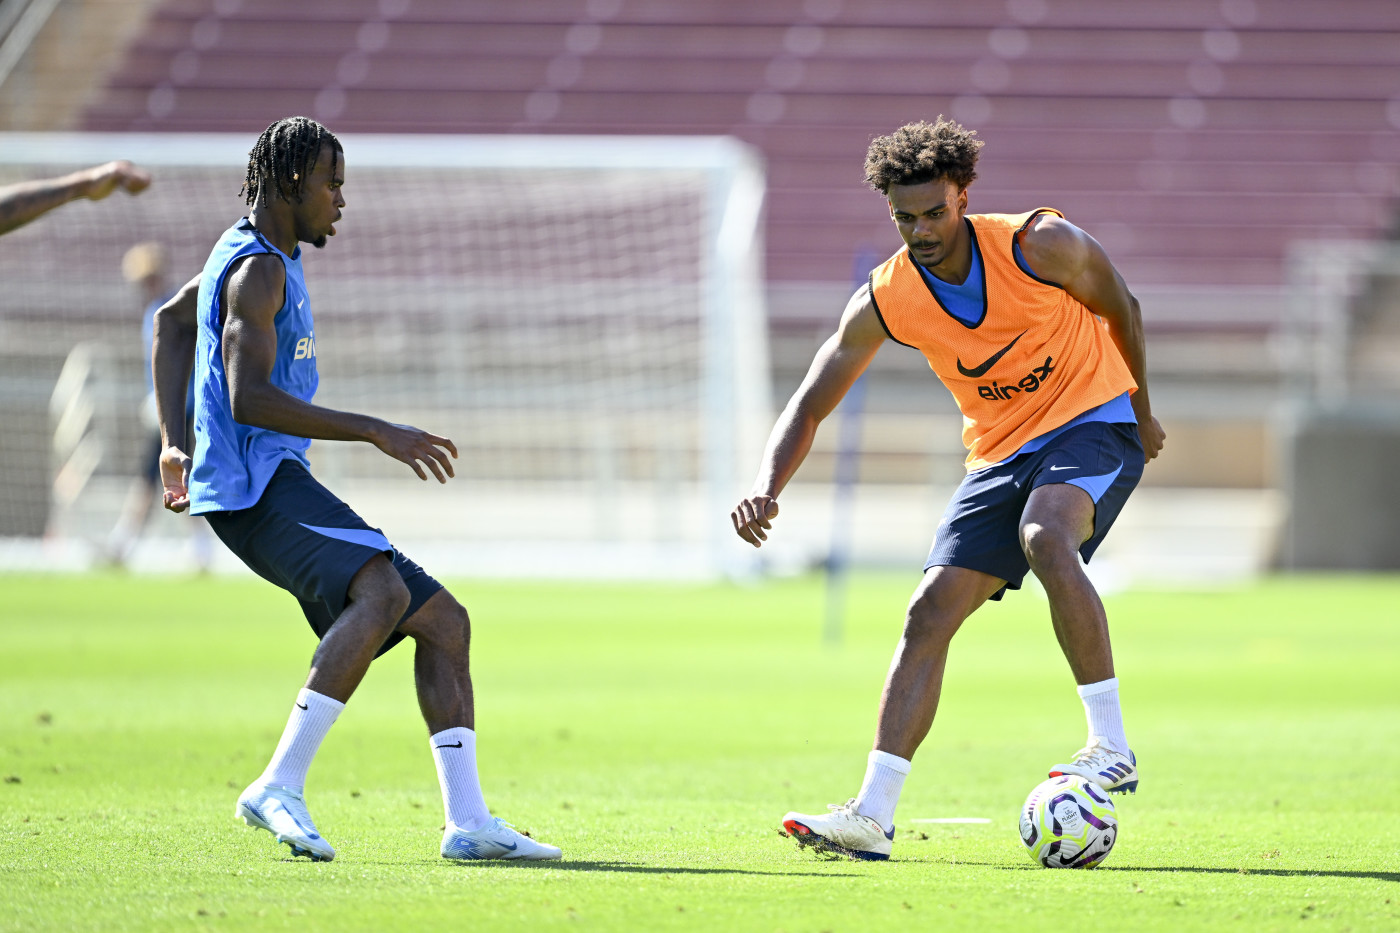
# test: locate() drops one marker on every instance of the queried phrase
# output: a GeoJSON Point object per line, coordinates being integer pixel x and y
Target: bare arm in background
{"type": "Point", "coordinates": [172, 358]}
{"type": "Point", "coordinates": [21, 203]}
{"type": "Point", "coordinates": [1059, 251]}
{"type": "Point", "coordinates": [836, 367]}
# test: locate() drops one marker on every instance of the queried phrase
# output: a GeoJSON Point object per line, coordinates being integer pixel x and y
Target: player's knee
{"type": "Point", "coordinates": [398, 600]}
{"type": "Point", "coordinates": [442, 622]}
{"type": "Point", "coordinates": [1046, 548]}
{"type": "Point", "coordinates": [391, 603]}
{"type": "Point", "coordinates": [387, 597]}
{"type": "Point", "coordinates": [453, 626]}
{"type": "Point", "coordinates": [930, 622]}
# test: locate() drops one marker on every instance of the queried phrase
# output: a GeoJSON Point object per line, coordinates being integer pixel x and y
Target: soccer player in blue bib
{"type": "Point", "coordinates": [245, 324]}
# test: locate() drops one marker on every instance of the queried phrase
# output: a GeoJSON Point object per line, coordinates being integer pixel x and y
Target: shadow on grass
{"type": "Point", "coordinates": [1391, 876]}
{"type": "Point", "coordinates": [638, 869]}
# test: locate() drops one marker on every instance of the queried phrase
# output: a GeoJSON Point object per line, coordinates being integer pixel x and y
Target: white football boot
{"type": "Point", "coordinates": [282, 812]}
{"type": "Point", "coordinates": [842, 831]}
{"type": "Point", "coordinates": [496, 840]}
{"type": "Point", "coordinates": [1109, 768]}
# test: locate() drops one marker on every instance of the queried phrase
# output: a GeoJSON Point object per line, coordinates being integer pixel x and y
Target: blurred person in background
{"type": "Point", "coordinates": [23, 202]}
{"type": "Point", "coordinates": [144, 267]}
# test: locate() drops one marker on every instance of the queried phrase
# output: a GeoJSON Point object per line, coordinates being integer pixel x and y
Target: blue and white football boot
{"type": "Point", "coordinates": [496, 840]}
{"type": "Point", "coordinates": [282, 812]}
{"type": "Point", "coordinates": [843, 831]}
{"type": "Point", "coordinates": [1114, 771]}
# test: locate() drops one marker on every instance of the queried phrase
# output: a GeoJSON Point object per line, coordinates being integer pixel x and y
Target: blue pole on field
{"type": "Point", "coordinates": [851, 412]}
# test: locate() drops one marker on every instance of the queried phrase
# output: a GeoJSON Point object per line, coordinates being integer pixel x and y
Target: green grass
{"type": "Point", "coordinates": [658, 733]}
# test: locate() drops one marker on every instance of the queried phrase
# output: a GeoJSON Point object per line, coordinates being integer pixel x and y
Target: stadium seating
{"type": "Point", "coordinates": [1196, 138]}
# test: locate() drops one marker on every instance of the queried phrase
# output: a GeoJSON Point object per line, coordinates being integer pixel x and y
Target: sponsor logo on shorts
{"type": "Point", "coordinates": [1031, 382]}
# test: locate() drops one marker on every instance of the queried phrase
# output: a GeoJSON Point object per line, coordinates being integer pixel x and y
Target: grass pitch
{"type": "Point", "coordinates": [658, 734]}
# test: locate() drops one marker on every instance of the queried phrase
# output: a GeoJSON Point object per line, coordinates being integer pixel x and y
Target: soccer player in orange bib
{"type": "Point", "coordinates": [1026, 321]}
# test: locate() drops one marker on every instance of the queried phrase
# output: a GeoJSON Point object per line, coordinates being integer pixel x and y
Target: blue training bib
{"type": "Point", "coordinates": [233, 462]}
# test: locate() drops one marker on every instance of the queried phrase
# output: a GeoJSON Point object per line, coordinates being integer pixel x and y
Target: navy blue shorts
{"type": "Point", "coordinates": [981, 528]}
{"type": "Point", "coordinates": [302, 538]}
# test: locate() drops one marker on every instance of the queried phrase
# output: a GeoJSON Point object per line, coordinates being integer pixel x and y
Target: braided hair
{"type": "Point", "coordinates": [284, 156]}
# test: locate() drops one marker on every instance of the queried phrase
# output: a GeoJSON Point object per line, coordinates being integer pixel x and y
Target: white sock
{"type": "Point", "coordinates": [454, 752]}
{"type": "Point", "coordinates": [879, 792]}
{"type": "Point", "coordinates": [1104, 715]}
{"type": "Point", "coordinates": [312, 717]}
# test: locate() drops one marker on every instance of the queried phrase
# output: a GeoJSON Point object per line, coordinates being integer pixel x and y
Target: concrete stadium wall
{"type": "Point", "coordinates": [1344, 508]}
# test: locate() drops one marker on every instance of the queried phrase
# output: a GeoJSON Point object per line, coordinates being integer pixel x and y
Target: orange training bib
{"type": "Point", "coordinates": [1037, 359]}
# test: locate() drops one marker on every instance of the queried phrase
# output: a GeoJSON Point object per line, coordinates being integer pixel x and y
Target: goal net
{"type": "Point", "coordinates": [582, 315]}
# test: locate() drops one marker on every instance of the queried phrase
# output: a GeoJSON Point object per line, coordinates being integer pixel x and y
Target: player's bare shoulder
{"type": "Point", "coordinates": [860, 320]}
{"type": "Point", "coordinates": [1050, 240]}
{"type": "Point", "coordinates": [1056, 249]}
{"type": "Point", "coordinates": [861, 300]}
{"type": "Point", "coordinates": [255, 284]}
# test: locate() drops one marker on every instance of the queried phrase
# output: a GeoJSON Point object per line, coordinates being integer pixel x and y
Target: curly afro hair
{"type": "Point", "coordinates": [920, 152]}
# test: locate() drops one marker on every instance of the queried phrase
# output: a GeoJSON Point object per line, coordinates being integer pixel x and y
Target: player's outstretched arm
{"type": "Point", "coordinates": [21, 203]}
{"type": "Point", "coordinates": [1059, 251]}
{"type": "Point", "coordinates": [836, 367]}
{"type": "Point", "coordinates": [253, 294]}
{"type": "Point", "coordinates": [172, 359]}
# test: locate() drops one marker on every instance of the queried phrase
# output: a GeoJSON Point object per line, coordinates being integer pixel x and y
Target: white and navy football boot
{"type": "Point", "coordinates": [1112, 770]}
{"type": "Point", "coordinates": [496, 840]}
{"type": "Point", "coordinates": [843, 831]}
{"type": "Point", "coordinates": [282, 812]}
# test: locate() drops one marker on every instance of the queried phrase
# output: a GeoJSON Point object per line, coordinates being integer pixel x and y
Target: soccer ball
{"type": "Point", "coordinates": [1068, 822]}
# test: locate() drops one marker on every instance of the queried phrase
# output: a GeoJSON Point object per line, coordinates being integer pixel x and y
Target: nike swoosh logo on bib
{"type": "Point", "coordinates": [980, 371]}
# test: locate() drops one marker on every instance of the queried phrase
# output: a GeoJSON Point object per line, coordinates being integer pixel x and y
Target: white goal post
{"type": "Point", "coordinates": [583, 316]}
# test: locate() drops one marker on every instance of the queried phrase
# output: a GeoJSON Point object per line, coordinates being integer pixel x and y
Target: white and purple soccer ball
{"type": "Point", "coordinates": [1068, 822]}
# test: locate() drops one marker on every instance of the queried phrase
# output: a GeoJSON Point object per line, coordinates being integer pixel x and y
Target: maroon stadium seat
{"type": "Point", "coordinates": [1185, 142]}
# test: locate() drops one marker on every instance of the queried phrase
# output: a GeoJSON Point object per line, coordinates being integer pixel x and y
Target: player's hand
{"type": "Point", "coordinates": [175, 477]}
{"type": "Point", "coordinates": [753, 516]}
{"type": "Point", "coordinates": [104, 179]}
{"type": "Point", "coordinates": [417, 448]}
{"type": "Point", "coordinates": [1153, 437]}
